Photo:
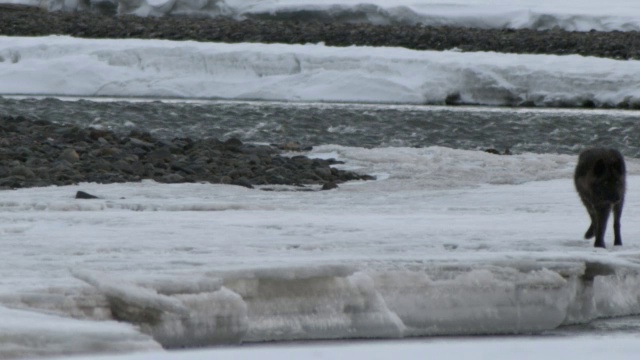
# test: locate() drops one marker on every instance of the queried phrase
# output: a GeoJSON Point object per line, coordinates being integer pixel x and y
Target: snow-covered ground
{"type": "Point", "coordinates": [574, 15]}
{"type": "Point", "coordinates": [444, 242]}
{"type": "Point", "coordinates": [59, 65]}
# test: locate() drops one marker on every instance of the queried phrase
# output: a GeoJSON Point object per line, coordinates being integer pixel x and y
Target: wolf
{"type": "Point", "coordinates": [600, 179]}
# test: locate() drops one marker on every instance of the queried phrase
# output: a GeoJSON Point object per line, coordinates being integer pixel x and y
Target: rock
{"type": "Point", "coordinates": [172, 179]}
{"type": "Point", "coordinates": [329, 186]}
{"type": "Point", "coordinates": [324, 172]}
{"type": "Point", "coordinates": [292, 146]}
{"type": "Point", "coordinates": [123, 166]}
{"type": "Point", "coordinates": [453, 99]}
{"type": "Point", "coordinates": [233, 144]}
{"type": "Point", "coordinates": [160, 155]}
{"type": "Point", "coordinates": [97, 134]}
{"type": "Point", "coordinates": [242, 181]}
{"type": "Point", "coordinates": [70, 155]}
{"type": "Point", "coordinates": [140, 143]}
{"type": "Point", "coordinates": [84, 195]}
{"type": "Point", "coordinates": [241, 172]}
{"type": "Point", "coordinates": [22, 171]}
{"type": "Point", "coordinates": [496, 152]}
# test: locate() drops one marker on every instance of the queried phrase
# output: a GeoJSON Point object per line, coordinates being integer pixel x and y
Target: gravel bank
{"type": "Point", "coordinates": [41, 153]}
{"type": "Point", "coordinates": [25, 21]}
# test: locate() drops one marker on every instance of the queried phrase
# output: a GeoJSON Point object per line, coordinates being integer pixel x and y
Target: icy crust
{"type": "Point", "coordinates": [537, 15]}
{"type": "Point", "coordinates": [316, 73]}
{"type": "Point", "coordinates": [338, 302]}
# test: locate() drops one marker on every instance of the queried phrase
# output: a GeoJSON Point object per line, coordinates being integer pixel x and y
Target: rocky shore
{"type": "Point", "coordinates": [28, 21]}
{"type": "Point", "coordinates": [41, 153]}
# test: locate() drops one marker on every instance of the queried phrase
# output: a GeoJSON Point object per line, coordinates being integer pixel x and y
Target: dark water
{"type": "Point", "coordinates": [521, 130]}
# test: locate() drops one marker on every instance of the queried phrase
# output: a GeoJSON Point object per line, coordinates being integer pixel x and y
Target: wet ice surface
{"type": "Point", "coordinates": [447, 242]}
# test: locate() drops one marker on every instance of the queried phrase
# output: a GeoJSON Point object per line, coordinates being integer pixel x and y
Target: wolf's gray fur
{"type": "Point", "coordinates": [600, 180]}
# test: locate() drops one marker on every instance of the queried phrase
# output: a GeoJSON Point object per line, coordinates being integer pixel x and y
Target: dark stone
{"type": "Point", "coordinates": [293, 146]}
{"type": "Point", "coordinates": [242, 181]}
{"type": "Point", "coordinates": [241, 172]}
{"type": "Point", "coordinates": [324, 172]}
{"type": "Point", "coordinates": [160, 155]}
{"type": "Point", "coordinates": [84, 195]}
{"type": "Point", "coordinates": [123, 166]}
{"type": "Point", "coordinates": [496, 152]}
{"type": "Point", "coordinates": [453, 99]}
{"type": "Point", "coordinates": [70, 155]}
{"type": "Point", "coordinates": [329, 186]}
{"type": "Point", "coordinates": [172, 179]}
{"type": "Point", "coordinates": [23, 172]}
{"type": "Point", "coordinates": [140, 143]}
{"type": "Point", "coordinates": [233, 144]}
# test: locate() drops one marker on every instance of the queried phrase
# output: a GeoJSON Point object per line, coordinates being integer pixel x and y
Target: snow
{"type": "Point", "coordinates": [446, 242]}
{"type": "Point", "coordinates": [574, 15]}
{"type": "Point", "coordinates": [65, 66]}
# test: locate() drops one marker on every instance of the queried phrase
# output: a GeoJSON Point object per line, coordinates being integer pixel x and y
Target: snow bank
{"type": "Point", "coordinates": [58, 65]}
{"type": "Point", "coordinates": [540, 15]}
